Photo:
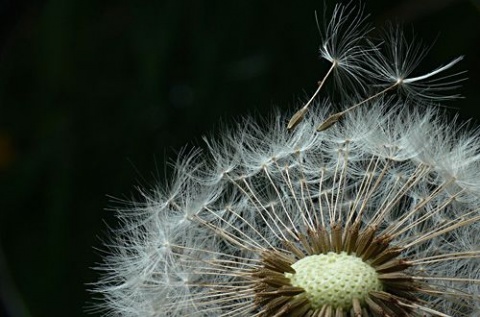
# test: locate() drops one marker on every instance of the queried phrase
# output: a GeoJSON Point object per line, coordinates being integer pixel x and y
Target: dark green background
{"type": "Point", "coordinates": [95, 95]}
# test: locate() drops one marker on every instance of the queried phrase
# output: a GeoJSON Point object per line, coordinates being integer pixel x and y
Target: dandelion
{"type": "Point", "coordinates": [377, 215]}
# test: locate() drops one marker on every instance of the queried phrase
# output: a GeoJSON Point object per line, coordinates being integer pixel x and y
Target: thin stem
{"type": "Point", "coordinates": [327, 123]}
{"type": "Point", "coordinates": [299, 115]}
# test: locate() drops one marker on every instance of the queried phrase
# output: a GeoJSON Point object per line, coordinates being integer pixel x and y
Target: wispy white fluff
{"type": "Point", "coordinates": [167, 249]}
{"type": "Point", "coordinates": [396, 59]}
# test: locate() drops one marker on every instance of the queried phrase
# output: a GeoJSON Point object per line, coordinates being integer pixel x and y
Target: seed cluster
{"type": "Point", "coordinates": [278, 292]}
{"type": "Point", "coordinates": [334, 279]}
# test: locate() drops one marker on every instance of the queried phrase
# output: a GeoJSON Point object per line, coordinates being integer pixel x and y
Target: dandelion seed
{"type": "Point", "coordinates": [378, 215]}
{"type": "Point", "coordinates": [355, 57]}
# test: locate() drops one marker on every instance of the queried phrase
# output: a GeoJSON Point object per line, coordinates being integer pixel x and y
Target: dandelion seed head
{"type": "Point", "coordinates": [234, 246]}
{"type": "Point", "coordinates": [376, 215]}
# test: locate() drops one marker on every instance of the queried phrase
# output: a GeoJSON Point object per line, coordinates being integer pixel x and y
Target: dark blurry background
{"type": "Point", "coordinates": [96, 95]}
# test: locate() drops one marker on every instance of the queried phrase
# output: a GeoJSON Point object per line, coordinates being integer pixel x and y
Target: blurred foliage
{"type": "Point", "coordinates": [95, 96]}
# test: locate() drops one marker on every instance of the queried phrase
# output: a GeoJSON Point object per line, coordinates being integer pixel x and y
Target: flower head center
{"type": "Point", "coordinates": [334, 279]}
